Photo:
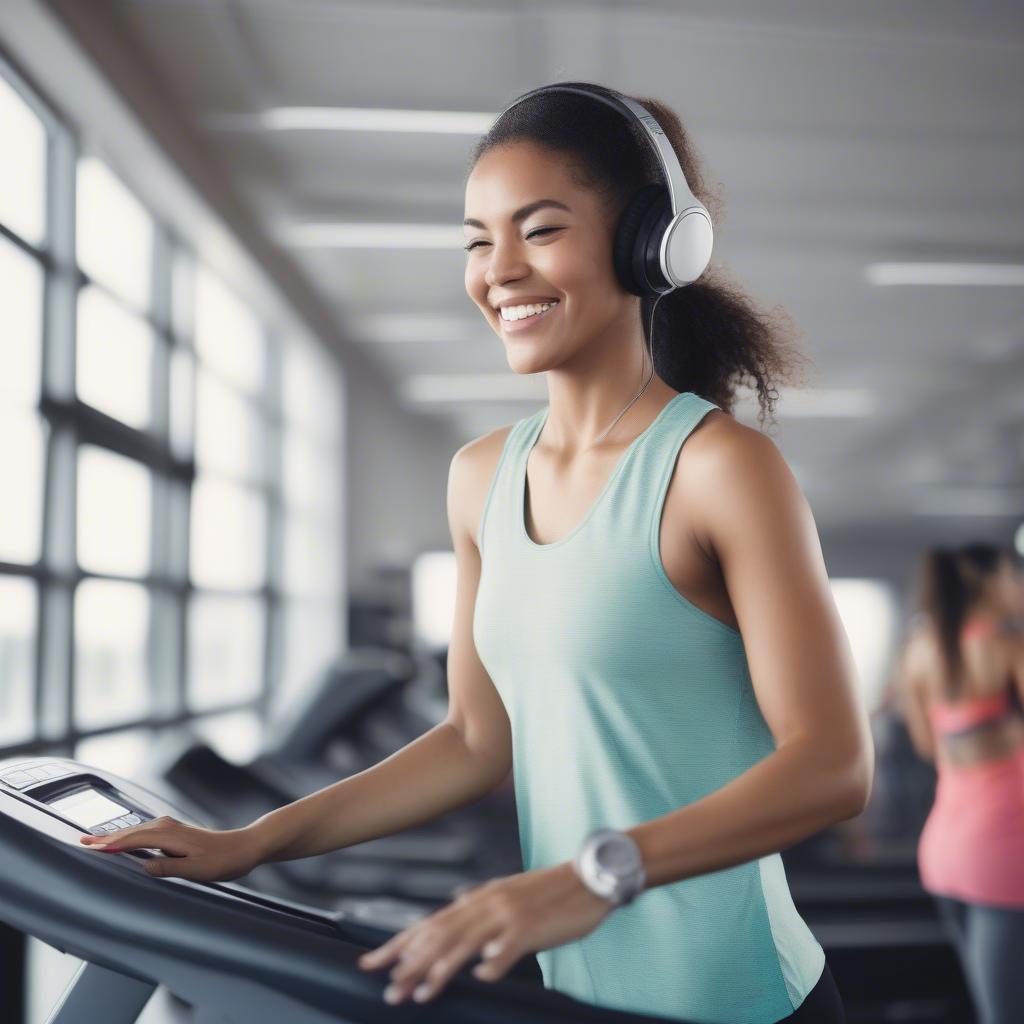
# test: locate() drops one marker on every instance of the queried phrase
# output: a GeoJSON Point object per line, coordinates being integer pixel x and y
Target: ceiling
{"type": "Point", "coordinates": [841, 134]}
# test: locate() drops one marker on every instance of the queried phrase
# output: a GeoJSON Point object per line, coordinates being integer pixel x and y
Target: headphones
{"type": "Point", "coordinates": [664, 237]}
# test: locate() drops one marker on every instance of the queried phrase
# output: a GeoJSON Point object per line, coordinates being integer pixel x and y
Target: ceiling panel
{"type": "Point", "coordinates": [840, 134]}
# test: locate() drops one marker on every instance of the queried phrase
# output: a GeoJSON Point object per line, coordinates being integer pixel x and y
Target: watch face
{"type": "Point", "coordinates": [616, 856]}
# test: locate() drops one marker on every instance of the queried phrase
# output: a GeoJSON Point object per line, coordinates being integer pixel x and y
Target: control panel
{"type": "Point", "coordinates": [86, 800]}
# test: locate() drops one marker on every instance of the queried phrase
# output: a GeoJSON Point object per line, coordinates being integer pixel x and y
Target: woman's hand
{"type": "Point", "coordinates": [201, 854]}
{"type": "Point", "coordinates": [504, 919]}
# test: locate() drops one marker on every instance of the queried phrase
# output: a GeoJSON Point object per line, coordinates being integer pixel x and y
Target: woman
{"type": "Point", "coordinates": [962, 681]}
{"type": "Point", "coordinates": [612, 585]}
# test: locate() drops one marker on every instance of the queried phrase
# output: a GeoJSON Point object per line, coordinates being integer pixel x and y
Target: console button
{"type": "Point", "coordinates": [133, 819]}
{"type": "Point", "coordinates": [19, 780]}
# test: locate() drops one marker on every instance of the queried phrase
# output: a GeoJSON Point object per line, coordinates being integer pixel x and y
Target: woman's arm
{"type": "Point", "coordinates": [913, 699]}
{"type": "Point", "coordinates": [748, 509]}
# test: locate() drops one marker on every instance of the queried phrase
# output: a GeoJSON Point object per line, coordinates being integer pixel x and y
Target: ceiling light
{"type": "Point", "coordinates": [817, 402]}
{"type": "Point", "coordinates": [970, 502]}
{"type": "Point", "coordinates": [372, 236]}
{"type": "Point", "coordinates": [950, 274]}
{"type": "Point", "coordinates": [354, 119]}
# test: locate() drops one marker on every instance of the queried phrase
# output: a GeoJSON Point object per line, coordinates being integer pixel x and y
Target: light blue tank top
{"type": "Point", "coordinates": [626, 702]}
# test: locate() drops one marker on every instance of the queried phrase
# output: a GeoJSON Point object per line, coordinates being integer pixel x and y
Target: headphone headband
{"type": "Point", "coordinates": [679, 192]}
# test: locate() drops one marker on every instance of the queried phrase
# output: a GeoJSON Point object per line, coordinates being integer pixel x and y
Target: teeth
{"type": "Point", "coordinates": [521, 312]}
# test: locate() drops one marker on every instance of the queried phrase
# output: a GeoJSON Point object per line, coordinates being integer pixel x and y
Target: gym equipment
{"type": "Point", "coordinates": [221, 951]}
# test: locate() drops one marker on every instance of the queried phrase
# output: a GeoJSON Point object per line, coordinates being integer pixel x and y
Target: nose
{"type": "Point", "coordinates": [505, 263]}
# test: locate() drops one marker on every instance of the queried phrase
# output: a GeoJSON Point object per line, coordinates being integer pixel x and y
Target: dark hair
{"type": "Point", "coordinates": [709, 337]}
{"type": "Point", "coordinates": [950, 582]}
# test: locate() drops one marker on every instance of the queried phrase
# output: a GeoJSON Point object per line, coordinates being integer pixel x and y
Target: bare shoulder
{"type": "Point", "coordinates": [720, 438]}
{"type": "Point", "coordinates": [727, 472]}
{"type": "Point", "coordinates": [472, 469]}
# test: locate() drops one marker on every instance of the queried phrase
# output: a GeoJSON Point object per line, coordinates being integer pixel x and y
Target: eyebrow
{"type": "Point", "coordinates": [522, 213]}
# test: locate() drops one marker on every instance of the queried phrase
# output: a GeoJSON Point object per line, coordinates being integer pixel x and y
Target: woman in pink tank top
{"type": "Point", "coordinates": [961, 684]}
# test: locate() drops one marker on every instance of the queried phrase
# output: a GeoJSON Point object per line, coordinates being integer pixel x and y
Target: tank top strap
{"type": "Point", "coordinates": [497, 518]}
{"type": "Point", "coordinates": [647, 470]}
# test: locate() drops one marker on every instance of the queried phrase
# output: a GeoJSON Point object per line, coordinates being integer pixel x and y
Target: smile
{"type": "Point", "coordinates": [515, 326]}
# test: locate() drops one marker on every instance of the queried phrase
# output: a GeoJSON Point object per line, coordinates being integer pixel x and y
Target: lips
{"type": "Point", "coordinates": [515, 326]}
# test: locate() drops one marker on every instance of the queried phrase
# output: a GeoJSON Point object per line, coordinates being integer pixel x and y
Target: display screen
{"type": "Point", "coordinates": [88, 808]}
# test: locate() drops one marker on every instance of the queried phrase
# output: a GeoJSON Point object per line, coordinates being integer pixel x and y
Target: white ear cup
{"type": "Point", "coordinates": [686, 246]}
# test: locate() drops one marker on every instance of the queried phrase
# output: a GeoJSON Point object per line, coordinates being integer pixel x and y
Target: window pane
{"type": "Point", "coordinates": [312, 389]}
{"type": "Point", "coordinates": [312, 558]}
{"type": "Point", "coordinates": [115, 359]}
{"type": "Point", "coordinates": [236, 735]}
{"type": "Point", "coordinates": [115, 497]}
{"type": "Point", "coordinates": [869, 615]}
{"type": "Point", "coordinates": [128, 753]}
{"type": "Point", "coordinates": [433, 597]}
{"type": "Point", "coordinates": [111, 631]}
{"type": "Point", "coordinates": [21, 299]}
{"type": "Point", "coordinates": [229, 531]}
{"type": "Point", "coordinates": [114, 233]}
{"type": "Point", "coordinates": [228, 430]}
{"type": "Point", "coordinates": [17, 658]}
{"type": "Point", "coordinates": [312, 476]}
{"type": "Point", "coordinates": [21, 469]}
{"type": "Point", "coordinates": [312, 640]}
{"type": "Point", "coordinates": [225, 650]}
{"type": "Point", "coordinates": [22, 176]}
{"type": "Point", "coordinates": [228, 336]}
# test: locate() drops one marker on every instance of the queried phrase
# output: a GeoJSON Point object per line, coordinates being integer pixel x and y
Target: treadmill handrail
{"type": "Point", "coordinates": [76, 910]}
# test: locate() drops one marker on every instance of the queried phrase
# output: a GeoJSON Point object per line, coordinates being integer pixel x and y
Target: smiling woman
{"type": "Point", "coordinates": [667, 727]}
{"type": "Point", "coordinates": [644, 632]}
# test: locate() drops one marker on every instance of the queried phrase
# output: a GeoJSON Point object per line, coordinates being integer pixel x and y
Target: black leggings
{"type": "Point", "coordinates": [990, 944]}
{"type": "Point", "coordinates": [821, 1006]}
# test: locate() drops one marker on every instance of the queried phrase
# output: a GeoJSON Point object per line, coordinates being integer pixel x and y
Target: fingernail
{"type": "Point", "coordinates": [391, 994]}
{"type": "Point", "coordinates": [421, 993]}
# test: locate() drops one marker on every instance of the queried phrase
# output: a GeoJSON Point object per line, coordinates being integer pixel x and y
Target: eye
{"type": "Point", "coordinates": [536, 231]}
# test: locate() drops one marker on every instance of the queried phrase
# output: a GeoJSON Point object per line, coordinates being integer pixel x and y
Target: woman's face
{"type": "Point", "coordinates": [522, 252]}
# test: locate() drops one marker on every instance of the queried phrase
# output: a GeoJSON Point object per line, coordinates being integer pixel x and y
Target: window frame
{"type": "Point", "coordinates": [71, 423]}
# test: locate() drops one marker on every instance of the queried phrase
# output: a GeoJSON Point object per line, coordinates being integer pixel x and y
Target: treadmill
{"type": "Point", "coordinates": [216, 951]}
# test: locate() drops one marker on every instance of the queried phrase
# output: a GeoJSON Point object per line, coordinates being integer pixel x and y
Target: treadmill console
{"type": "Point", "coordinates": [79, 798]}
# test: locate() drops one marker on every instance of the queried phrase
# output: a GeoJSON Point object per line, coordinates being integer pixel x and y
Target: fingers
{"type": "Point", "coordinates": [163, 834]}
{"type": "Point", "coordinates": [393, 948]}
{"type": "Point", "coordinates": [429, 964]}
{"type": "Point", "coordinates": [175, 867]}
{"type": "Point", "coordinates": [498, 957]}
{"type": "Point", "coordinates": [427, 976]}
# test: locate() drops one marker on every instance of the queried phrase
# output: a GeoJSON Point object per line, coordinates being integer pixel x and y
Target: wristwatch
{"type": "Point", "coordinates": [610, 865]}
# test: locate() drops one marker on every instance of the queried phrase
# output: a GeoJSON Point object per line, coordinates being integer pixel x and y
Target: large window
{"type": "Point", "coordinates": [170, 536]}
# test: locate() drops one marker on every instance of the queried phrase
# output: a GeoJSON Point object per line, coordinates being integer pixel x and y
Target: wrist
{"type": "Point", "coordinates": [610, 864]}
{"type": "Point", "coordinates": [263, 840]}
